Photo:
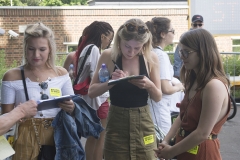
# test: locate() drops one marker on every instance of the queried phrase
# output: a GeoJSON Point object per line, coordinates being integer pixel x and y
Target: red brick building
{"type": "Point", "coordinates": [68, 22]}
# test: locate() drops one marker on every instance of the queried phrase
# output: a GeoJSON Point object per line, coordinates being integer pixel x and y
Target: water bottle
{"type": "Point", "coordinates": [71, 71]}
{"type": "Point", "coordinates": [103, 73]}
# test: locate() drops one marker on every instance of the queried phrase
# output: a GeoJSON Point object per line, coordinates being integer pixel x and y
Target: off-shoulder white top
{"type": "Point", "coordinates": [12, 92]}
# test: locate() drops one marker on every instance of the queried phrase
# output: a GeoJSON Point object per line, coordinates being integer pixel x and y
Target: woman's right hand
{"type": "Point", "coordinates": [179, 85]}
{"type": "Point", "coordinates": [119, 74]}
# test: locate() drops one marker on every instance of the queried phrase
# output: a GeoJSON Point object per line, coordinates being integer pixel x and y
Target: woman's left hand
{"type": "Point", "coordinates": [164, 151]}
{"type": "Point", "coordinates": [67, 106]}
{"type": "Point", "coordinates": [144, 83]}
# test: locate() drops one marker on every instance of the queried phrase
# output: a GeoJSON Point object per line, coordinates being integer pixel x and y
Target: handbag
{"type": "Point", "coordinates": [159, 133]}
{"type": "Point", "coordinates": [82, 88]}
{"type": "Point", "coordinates": [46, 152]}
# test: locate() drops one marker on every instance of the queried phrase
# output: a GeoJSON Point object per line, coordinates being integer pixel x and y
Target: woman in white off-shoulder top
{"type": "Point", "coordinates": [43, 80]}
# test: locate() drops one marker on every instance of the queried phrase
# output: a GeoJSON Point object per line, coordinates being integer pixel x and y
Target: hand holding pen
{"type": "Point", "coordinates": [118, 73]}
{"type": "Point", "coordinates": [116, 64]}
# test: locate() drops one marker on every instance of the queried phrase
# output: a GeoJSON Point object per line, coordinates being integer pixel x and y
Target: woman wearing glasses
{"type": "Point", "coordinates": [206, 104]}
{"type": "Point", "coordinates": [130, 131]}
{"type": "Point", "coordinates": [98, 34]}
{"type": "Point", "coordinates": [43, 80]}
{"type": "Point", "coordinates": [163, 34]}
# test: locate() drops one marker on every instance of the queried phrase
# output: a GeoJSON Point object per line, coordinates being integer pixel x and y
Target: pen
{"type": "Point", "coordinates": [116, 64]}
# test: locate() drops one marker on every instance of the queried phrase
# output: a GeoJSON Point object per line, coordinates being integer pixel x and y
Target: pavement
{"type": "Point", "coordinates": [230, 138]}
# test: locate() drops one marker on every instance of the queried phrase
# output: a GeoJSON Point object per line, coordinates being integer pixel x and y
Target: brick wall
{"type": "Point", "coordinates": [68, 23]}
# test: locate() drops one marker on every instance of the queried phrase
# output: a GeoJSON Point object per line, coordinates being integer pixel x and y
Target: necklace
{"type": "Point", "coordinates": [37, 78]}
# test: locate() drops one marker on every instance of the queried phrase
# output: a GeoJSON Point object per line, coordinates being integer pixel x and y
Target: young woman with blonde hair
{"type": "Point", "coordinates": [44, 80]}
{"type": "Point", "coordinates": [130, 131]}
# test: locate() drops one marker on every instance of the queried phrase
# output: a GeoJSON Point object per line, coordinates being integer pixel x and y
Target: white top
{"type": "Point", "coordinates": [167, 104]}
{"type": "Point", "coordinates": [88, 70]}
{"type": "Point", "coordinates": [166, 68]}
{"type": "Point", "coordinates": [13, 92]}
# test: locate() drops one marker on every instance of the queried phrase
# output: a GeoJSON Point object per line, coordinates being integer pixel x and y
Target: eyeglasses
{"type": "Point", "coordinates": [110, 40]}
{"type": "Point", "coordinates": [173, 31]}
{"type": "Point", "coordinates": [132, 28]}
{"type": "Point", "coordinates": [44, 86]}
{"type": "Point", "coordinates": [184, 53]}
{"type": "Point", "coordinates": [195, 24]}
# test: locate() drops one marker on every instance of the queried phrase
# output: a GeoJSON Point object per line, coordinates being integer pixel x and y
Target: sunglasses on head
{"type": "Point", "coordinates": [184, 53]}
{"type": "Point", "coordinates": [44, 86]}
{"type": "Point", "coordinates": [132, 28]}
{"type": "Point", "coordinates": [195, 25]}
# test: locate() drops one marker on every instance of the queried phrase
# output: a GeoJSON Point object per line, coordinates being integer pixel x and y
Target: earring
{"type": "Point", "coordinates": [26, 61]}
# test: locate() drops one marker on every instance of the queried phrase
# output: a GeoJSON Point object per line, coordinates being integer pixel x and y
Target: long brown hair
{"type": "Point", "coordinates": [210, 63]}
{"type": "Point", "coordinates": [157, 26]}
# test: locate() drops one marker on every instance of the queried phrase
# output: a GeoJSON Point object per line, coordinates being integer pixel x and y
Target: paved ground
{"type": "Point", "coordinates": [229, 138]}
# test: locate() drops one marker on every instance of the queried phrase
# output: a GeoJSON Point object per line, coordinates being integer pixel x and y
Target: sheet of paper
{"type": "Point", "coordinates": [5, 148]}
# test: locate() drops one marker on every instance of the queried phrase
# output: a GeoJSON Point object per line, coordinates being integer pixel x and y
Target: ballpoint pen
{"type": "Point", "coordinates": [116, 64]}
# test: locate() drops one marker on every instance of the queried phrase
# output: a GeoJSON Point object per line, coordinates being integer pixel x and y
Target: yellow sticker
{"type": "Point", "coordinates": [194, 150]}
{"type": "Point", "coordinates": [10, 140]}
{"type": "Point", "coordinates": [55, 92]}
{"type": "Point", "coordinates": [148, 139]}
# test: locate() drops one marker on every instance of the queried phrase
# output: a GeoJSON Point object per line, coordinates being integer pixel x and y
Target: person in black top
{"type": "Point", "coordinates": [130, 131]}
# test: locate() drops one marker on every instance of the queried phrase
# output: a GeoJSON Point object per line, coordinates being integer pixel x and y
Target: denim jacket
{"type": "Point", "coordinates": [68, 130]}
{"type": "Point", "coordinates": [177, 63]}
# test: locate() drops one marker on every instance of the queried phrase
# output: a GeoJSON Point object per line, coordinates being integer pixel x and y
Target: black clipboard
{"type": "Point", "coordinates": [116, 81]}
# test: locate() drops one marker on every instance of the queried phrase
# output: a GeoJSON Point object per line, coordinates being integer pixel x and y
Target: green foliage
{"type": "Point", "coordinates": [8, 3]}
{"type": "Point", "coordinates": [43, 2]}
{"type": "Point", "coordinates": [3, 67]}
{"type": "Point", "coordinates": [5, 3]}
{"type": "Point", "coordinates": [72, 48]}
{"type": "Point", "coordinates": [31, 2]}
{"type": "Point", "coordinates": [169, 48]}
{"type": "Point", "coordinates": [231, 64]}
{"type": "Point", "coordinates": [51, 3]}
{"type": "Point", "coordinates": [60, 58]}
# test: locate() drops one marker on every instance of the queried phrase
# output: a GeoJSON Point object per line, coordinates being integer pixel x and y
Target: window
{"type": "Point", "coordinates": [70, 46]}
{"type": "Point", "coordinates": [236, 45]}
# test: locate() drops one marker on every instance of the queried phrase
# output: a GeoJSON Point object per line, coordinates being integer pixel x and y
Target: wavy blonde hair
{"type": "Point", "coordinates": [39, 30]}
{"type": "Point", "coordinates": [123, 33]}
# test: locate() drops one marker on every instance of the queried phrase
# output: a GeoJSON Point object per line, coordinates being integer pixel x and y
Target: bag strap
{"type": "Point", "coordinates": [27, 98]}
{"type": "Point", "coordinates": [24, 83]}
{"type": "Point", "coordinates": [83, 63]}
